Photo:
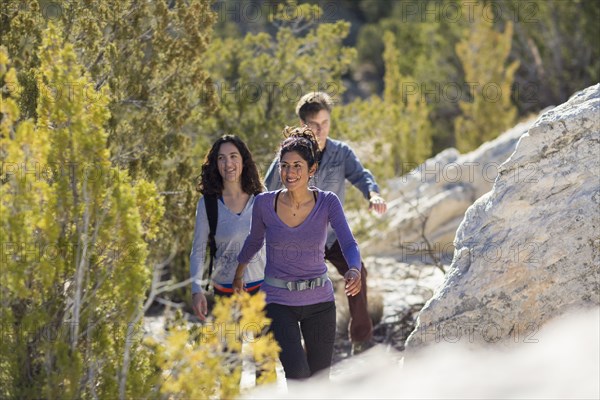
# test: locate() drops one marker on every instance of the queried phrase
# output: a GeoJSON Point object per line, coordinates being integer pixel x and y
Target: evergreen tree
{"type": "Point", "coordinates": [483, 53]}
{"type": "Point", "coordinates": [148, 55]}
{"type": "Point", "coordinates": [391, 134]}
{"type": "Point", "coordinates": [556, 44]}
{"type": "Point", "coordinates": [75, 272]}
{"type": "Point", "coordinates": [75, 275]}
{"type": "Point", "coordinates": [426, 59]}
{"type": "Point", "coordinates": [397, 124]}
{"type": "Point", "coordinates": [408, 114]}
{"type": "Point", "coordinates": [260, 78]}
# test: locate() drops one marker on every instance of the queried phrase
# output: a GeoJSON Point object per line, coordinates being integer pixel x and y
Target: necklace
{"type": "Point", "coordinates": [294, 204]}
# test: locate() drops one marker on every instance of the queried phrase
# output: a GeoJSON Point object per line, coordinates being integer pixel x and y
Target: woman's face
{"type": "Point", "coordinates": [293, 170]}
{"type": "Point", "coordinates": [230, 163]}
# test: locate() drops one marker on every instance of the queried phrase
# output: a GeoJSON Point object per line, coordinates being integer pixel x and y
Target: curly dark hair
{"type": "Point", "coordinates": [210, 181]}
{"type": "Point", "coordinates": [303, 141]}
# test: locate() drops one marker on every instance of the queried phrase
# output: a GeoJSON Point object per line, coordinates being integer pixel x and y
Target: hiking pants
{"type": "Point", "coordinates": [361, 326]}
{"type": "Point", "coordinates": [316, 324]}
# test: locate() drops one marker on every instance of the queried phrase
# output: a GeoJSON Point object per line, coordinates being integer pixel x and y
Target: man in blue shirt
{"type": "Point", "coordinates": [338, 162]}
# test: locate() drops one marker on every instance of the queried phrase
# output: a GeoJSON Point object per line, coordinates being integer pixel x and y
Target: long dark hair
{"type": "Point", "coordinates": [210, 181]}
{"type": "Point", "coordinates": [301, 140]}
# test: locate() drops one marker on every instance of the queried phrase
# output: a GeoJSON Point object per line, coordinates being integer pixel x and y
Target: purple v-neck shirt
{"type": "Point", "coordinates": [298, 253]}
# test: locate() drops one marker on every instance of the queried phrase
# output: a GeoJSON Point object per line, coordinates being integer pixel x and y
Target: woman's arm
{"type": "Point", "coordinates": [348, 245]}
{"type": "Point", "coordinates": [197, 256]}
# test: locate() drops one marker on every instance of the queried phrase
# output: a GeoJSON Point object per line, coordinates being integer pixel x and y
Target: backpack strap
{"type": "Point", "coordinates": [212, 213]}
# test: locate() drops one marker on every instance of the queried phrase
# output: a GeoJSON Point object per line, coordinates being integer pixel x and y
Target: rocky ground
{"type": "Point", "coordinates": [397, 292]}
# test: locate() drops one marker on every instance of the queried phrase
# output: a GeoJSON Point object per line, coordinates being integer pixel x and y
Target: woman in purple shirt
{"type": "Point", "coordinates": [293, 221]}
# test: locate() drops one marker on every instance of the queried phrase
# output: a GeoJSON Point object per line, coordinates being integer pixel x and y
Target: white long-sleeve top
{"type": "Point", "coordinates": [232, 230]}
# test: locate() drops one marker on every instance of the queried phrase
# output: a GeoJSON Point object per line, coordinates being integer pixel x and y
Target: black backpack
{"type": "Point", "coordinates": [212, 213]}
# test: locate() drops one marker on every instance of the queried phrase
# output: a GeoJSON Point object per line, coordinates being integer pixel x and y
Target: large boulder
{"type": "Point", "coordinates": [529, 249]}
{"type": "Point", "coordinates": [430, 201]}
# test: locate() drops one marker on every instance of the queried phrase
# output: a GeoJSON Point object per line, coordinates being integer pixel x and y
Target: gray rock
{"type": "Point", "coordinates": [528, 250]}
{"type": "Point", "coordinates": [431, 200]}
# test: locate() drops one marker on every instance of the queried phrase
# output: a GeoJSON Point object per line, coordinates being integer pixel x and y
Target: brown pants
{"type": "Point", "coordinates": [361, 326]}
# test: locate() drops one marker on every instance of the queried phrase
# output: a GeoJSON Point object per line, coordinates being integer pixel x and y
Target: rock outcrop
{"type": "Point", "coordinates": [529, 250]}
{"type": "Point", "coordinates": [435, 196]}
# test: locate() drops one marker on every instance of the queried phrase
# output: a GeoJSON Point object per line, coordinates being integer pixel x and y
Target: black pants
{"type": "Point", "coordinates": [316, 324]}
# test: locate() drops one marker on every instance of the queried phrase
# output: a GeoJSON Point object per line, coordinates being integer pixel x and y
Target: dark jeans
{"type": "Point", "coordinates": [361, 326]}
{"type": "Point", "coordinates": [316, 324]}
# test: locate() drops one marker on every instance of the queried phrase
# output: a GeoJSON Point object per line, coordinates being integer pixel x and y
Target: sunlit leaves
{"type": "Point", "coordinates": [206, 362]}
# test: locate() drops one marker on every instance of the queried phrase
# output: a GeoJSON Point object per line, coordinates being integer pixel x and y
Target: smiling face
{"type": "Point", "coordinates": [230, 163]}
{"type": "Point", "coordinates": [294, 171]}
{"type": "Point", "coordinates": [319, 123]}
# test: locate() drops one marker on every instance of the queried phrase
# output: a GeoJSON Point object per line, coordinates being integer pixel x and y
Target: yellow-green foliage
{"type": "Point", "coordinates": [483, 53]}
{"type": "Point", "coordinates": [206, 361]}
{"type": "Point", "coordinates": [555, 43]}
{"type": "Point", "coordinates": [409, 113]}
{"type": "Point", "coordinates": [260, 78]}
{"type": "Point", "coordinates": [396, 127]}
{"type": "Point", "coordinates": [74, 269]}
{"type": "Point", "coordinates": [74, 274]}
{"type": "Point", "coordinates": [149, 56]}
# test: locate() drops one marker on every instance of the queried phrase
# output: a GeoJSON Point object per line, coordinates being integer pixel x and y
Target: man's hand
{"type": "Point", "coordinates": [377, 203]}
{"type": "Point", "coordinates": [200, 306]}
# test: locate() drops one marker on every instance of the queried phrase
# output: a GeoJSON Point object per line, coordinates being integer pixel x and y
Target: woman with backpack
{"type": "Point", "coordinates": [293, 221]}
{"type": "Point", "coordinates": [229, 182]}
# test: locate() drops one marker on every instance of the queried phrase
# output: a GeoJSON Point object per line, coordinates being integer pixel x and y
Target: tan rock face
{"type": "Point", "coordinates": [529, 250]}
{"type": "Point", "coordinates": [432, 199]}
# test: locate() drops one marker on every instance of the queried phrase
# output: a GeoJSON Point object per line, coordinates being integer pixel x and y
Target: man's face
{"type": "Point", "coordinates": [319, 123]}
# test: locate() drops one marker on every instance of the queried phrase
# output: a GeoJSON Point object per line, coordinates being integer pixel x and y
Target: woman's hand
{"type": "Point", "coordinates": [238, 284]}
{"type": "Point", "coordinates": [200, 306]}
{"type": "Point", "coordinates": [352, 278]}
{"type": "Point", "coordinates": [238, 280]}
